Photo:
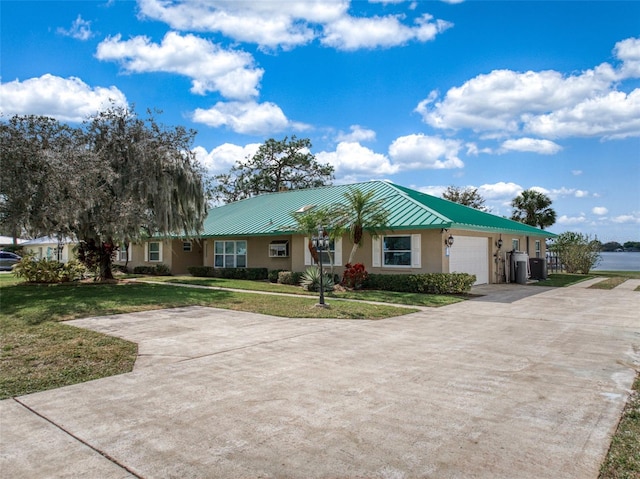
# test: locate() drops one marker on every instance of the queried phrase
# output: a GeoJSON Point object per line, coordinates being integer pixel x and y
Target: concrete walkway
{"type": "Point", "coordinates": [524, 382]}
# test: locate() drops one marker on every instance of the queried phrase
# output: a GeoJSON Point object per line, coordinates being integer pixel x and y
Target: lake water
{"type": "Point", "coordinates": [624, 261]}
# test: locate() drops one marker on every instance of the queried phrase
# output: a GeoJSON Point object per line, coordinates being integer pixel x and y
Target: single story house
{"type": "Point", "coordinates": [426, 234]}
{"type": "Point", "coordinates": [51, 248]}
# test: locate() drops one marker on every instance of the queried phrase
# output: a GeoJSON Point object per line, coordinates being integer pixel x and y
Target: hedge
{"type": "Point", "coordinates": [431, 283]}
{"type": "Point", "coordinates": [160, 269]}
{"type": "Point", "coordinates": [255, 274]}
{"type": "Point", "coordinates": [289, 277]}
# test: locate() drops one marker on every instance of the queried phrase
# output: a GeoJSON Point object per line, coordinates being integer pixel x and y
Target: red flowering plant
{"type": "Point", "coordinates": [354, 276]}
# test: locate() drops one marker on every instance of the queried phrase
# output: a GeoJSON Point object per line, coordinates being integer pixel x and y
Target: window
{"type": "Point", "coordinates": [537, 248]}
{"type": "Point", "coordinates": [230, 254]}
{"type": "Point", "coordinates": [515, 244]}
{"type": "Point", "coordinates": [186, 246]}
{"type": "Point", "coordinates": [124, 253]}
{"type": "Point", "coordinates": [154, 251]}
{"type": "Point", "coordinates": [335, 249]}
{"type": "Point", "coordinates": [397, 251]}
{"type": "Point", "coordinates": [279, 249]}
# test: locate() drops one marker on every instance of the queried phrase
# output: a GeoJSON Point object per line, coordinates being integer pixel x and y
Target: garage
{"type": "Point", "coordinates": [470, 255]}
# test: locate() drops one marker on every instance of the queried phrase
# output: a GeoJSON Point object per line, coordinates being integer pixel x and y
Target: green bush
{"type": "Point", "coordinates": [274, 274]}
{"type": "Point", "coordinates": [253, 274]}
{"type": "Point", "coordinates": [310, 280]}
{"type": "Point", "coordinates": [578, 252]}
{"type": "Point", "coordinates": [289, 277]}
{"type": "Point", "coordinates": [430, 283]}
{"type": "Point", "coordinates": [48, 271]}
{"type": "Point", "coordinates": [159, 269]}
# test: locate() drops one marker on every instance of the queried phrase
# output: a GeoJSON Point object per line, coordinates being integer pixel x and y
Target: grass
{"type": "Point", "coordinates": [38, 351]}
{"type": "Point", "coordinates": [413, 299]}
{"type": "Point", "coordinates": [614, 278]}
{"type": "Point", "coordinates": [609, 283]}
{"type": "Point", "coordinates": [623, 458]}
{"type": "Point", "coordinates": [560, 280]}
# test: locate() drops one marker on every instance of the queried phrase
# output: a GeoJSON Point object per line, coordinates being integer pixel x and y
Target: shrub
{"type": "Point", "coordinates": [310, 280]}
{"type": "Point", "coordinates": [254, 274]}
{"type": "Point", "coordinates": [354, 276]}
{"type": "Point", "coordinates": [289, 277]}
{"type": "Point", "coordinates": [159, 269]}
{"type": "Point", "coordinates": [48, 271]}
{"type": "Point", "coordinates": [274, 274]}
{"type": "Point", "coordinates": [430, 283]}
{"type": "Point", "coordinates": [578, 252]}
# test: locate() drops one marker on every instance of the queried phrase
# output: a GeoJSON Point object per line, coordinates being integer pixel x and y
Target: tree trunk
{"type": "Point", "coordinates": [352, 255]}
{"type": "Point", "coordinates": [105, 272]}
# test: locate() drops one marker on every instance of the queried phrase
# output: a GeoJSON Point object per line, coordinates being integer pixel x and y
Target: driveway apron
{"type": "Point", "coordinates": [522, 386]}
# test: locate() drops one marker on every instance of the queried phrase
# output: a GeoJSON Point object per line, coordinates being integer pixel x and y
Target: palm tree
{"type": "Point", "coordinates": [361, 213]}
{"type": "Point", "coordinates": [308, 223]}
{"type": "Point", "coordinates": [533, 208]}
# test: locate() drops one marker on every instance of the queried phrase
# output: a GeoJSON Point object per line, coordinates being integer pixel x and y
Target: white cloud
{"type": "Point", "coordinates": [581, 194]}
{"type": "Point", "coordinates": [80, 29]}
{"type": "Point", "coordinates": [576, 172]}
{"type": "Point", "coordinates": [223, 157]}
{"type": "Point", "coordinates": [533, 145]}
{"type": "Point", "coordinates": [545, 103]}
{"type": "Point", "coordinates": [356, 161]}
{"type": "Point", "coordinates": [571, 220]}
{"type": "Point", "coordinates": [500, 190]}
{"type": "Point", "coordinates": [210, 67]}
{"type": "Point", "coordinates": [66, 99]}
{"type": "Point", "coordinates": [293, 23]}
{"type": "Point", "coordinates": [419, 151]}
{"type": "Point", "coordinates": [249, 118]}
{"type": "Point", "coordinates": [268, 24]}
{"type": "Point", "coordinates": [352, 33]}
{"type": "Point", "coordinates": [631, 218]}
{"type": "Point", "coordinates": [599, 210]}
{"type": "Point", "coordinates": [357, 134]}
{"type": "Point", "coordinates": [436, 190]}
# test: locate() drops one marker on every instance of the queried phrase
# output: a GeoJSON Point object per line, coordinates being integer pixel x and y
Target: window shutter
{"type": "Point", "coordinates": [307, 253]}
{"type": "Point", "coordinates": [416, 255]}
{"type": "Point", "coordinates": [376, 248]}
{"type": "Point", "coordinates": [146, 251]}
{"type": "Point", "coordinates": [130, 252]}
{"type": "Point", "coordinates": [337, 255]}
{"type": "Point", "coordinates": [160, 250]}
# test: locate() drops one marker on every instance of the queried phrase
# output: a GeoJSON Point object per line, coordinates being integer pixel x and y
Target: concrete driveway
{"type": "Point", "coordinates": [522, 383]}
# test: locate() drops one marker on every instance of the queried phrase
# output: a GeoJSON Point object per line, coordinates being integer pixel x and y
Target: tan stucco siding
{"type": "Point", "coordinates": [181, 260]}
{"type": "Point", "coordinates": [138, 255]}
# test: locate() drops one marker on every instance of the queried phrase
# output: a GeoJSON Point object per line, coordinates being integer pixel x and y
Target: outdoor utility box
{"type": "Point", "coordinates": [521, 272]}
{"type": "Point", "coordinates": [538, 268]}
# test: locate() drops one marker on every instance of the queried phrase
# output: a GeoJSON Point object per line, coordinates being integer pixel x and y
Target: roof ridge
{"type": "Point", "coordinates": [401, 189]}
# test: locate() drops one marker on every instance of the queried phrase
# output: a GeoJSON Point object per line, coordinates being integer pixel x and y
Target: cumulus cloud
{"type": "Point", "coordinates": [353, 160]}
{"type": "Point", "coordinates": [500, 190]}
{"type": "Point", "coordinates": [357, 134]}
{"type": "Point", "coordinates": [419, 151]}
{"type": "Point", "coordinates": [223, 157]}
{"type": "Point", "coordinates": [210, 67]}
{"type": "Point", "coordinates": [581, 194]}
{"type": "Point", "coordinates": [548, 103]}
{"type": "Point", "coordinates": [599, 210]}
{"type": "Point", "coordinates": [571, 220]}
{"type": "Point", "coordinates": [80, 29]}
{"type": "Point", "coordinates": [249, 118]}
{"type": "Point", "coordinates": [289, 24]}
{"type": "Point", "coordinates": [631, 218]}
{"type": "Point", "coordinates": [576, 172]}
{"type": "Point", "coordinates": [66, 99]}
{"type": "Point", "coordinates": [533, 145]}
{"type": "Point", "coordinates": [351, 33]}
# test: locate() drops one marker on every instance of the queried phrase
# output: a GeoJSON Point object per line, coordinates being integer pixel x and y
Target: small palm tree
{"type": "Point", "coordinates": [534, 209]}
{"type": "Point", "coordinates": [307, 224]}
{"type": "Point", "coordinates": [361, 212]}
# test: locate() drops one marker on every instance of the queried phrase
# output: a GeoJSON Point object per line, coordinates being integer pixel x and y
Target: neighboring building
{"type": "Point", "coordinates": [8, 241]}
{"type": "Point", "coordinates": [50, 248]}
{"type": "Point", "coordinates": [260, 232]}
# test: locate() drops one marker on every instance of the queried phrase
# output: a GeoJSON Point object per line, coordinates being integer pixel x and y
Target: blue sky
{"type": "Point", "coordinates": [501, 96]}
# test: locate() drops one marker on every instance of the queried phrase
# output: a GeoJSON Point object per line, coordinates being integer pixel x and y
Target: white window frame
{"type": "Point", "coordinates": [337, 253]}
{"type": "Point", "coordinates": [226, 254]}
{"type": "Point", "coordinates": [148, 252]}
{"type": "Point", "coordinates": [187, 247]}
{"type": "Point", "coordinates": [538, 248]}
{"type": "Point", "coordinates": [124, 253]}
{"type": "Point", "coordinates": [279, 249]}
{"type": "Point", "coordinates": [515, 244]}
{"type": "Point", "coordinates": [415, 251]}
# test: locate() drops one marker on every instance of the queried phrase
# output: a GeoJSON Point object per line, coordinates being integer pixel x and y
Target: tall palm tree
{"type": "Point", "coordinates": [534, 209]}
{"type": "Point", "coordinates": [361, 212]}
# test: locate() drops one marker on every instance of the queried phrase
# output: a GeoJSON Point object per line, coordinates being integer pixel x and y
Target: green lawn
{"type": "Point", "coordinates": [560, 280]}
{"type": "Point", "coordinates": [413, 299]}
{"type": "Point", "coordinates": [38, 351]}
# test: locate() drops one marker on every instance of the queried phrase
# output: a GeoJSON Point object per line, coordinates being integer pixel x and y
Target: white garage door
{"type": "Point", "coordinates": [470, 255]}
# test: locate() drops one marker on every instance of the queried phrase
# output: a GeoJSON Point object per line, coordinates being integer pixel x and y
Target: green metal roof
{"type": "Point", "coordinates": [272, 214]}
